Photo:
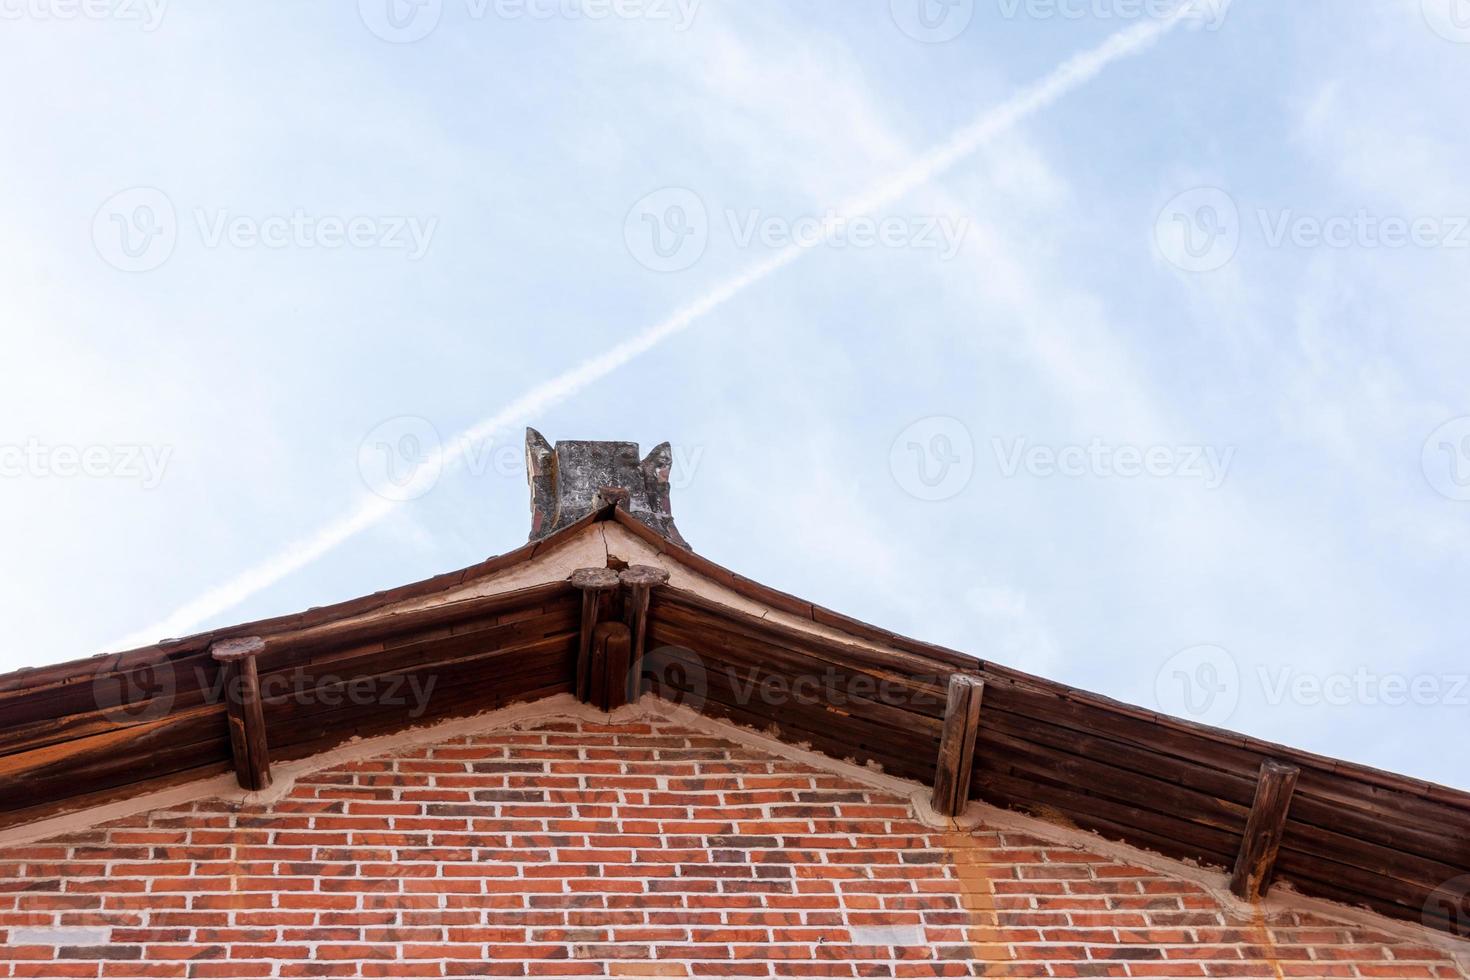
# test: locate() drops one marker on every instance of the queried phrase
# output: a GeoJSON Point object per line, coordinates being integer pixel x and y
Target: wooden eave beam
{"type": "Point", "coordinates": [1256, 864]}
{"type": "Point", "coordinates": [957, 745]}
{"type": "Point", "coordinates": [245, 713]}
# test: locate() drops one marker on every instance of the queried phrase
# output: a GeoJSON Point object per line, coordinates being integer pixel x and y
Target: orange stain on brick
{"type": "Point", "coordinates": [969, 861]}
{"type": "Point", "coordinates": [1268, 944]}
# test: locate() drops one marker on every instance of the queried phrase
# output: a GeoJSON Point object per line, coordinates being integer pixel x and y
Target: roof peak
{"type": "Point", "coordinates": [580, 476]}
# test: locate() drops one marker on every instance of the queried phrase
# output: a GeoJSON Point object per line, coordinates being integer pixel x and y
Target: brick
{"type": "Point", "coordinates": [641, 850]}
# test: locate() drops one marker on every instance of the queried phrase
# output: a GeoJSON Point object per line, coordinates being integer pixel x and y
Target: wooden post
{"type": "Point", "coordinates": [593, 582]}
{"type": "Point", "coordinates": [640, 581]}
{"type": "Point", "coordinates": [611, 645]}
{"type": "Point", "coordinates": [1256, 864]}
{"type": "Point", "coordinates": [244, 710]}
{"type": "Point", "coordinates": [957, 744]}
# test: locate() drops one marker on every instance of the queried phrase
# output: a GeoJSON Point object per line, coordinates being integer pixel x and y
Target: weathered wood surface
{"type": "Point", "coordinates": [957, 745]}
{"type": "Point", "coordinates": [1350, 834]}
{"type": "Point", "coordinates": [639, 581]}
{"type": "Point", "coordinates": [249, 744]}
{"type": "Point", "coordinates": [593, 583]}
{"type": "Point", "coordinates": [186, 728]}
{"type": "Point", "coordinates": [1256, 863]}
{"type": "Point", "coordinates": [611, 655]}
{"type": "Point", "coordinates": [1174, 789]}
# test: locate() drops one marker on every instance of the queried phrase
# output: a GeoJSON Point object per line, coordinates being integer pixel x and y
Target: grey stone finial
{"type": "Point", "coordinates": [575, 478]}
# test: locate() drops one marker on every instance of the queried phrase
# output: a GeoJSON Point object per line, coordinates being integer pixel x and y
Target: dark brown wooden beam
{"type": "Point", "coordinates": [592, 582]}
{"type": "Point", "coordinates": [241, 688]}
{"type": "Point", "coordinates": [1256, 864]}
{"type": "Point", "coordinates": [611, 649]}
{"type": "Point", "coordinates": [640, 581]}
{"type": "Point", "coordinates": [957, 744]}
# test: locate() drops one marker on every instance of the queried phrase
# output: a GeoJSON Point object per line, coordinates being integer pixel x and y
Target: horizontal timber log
{"type": "Point", "coordinates": [833, 733]}
{"type": "Point", "coordinates": [670, 601]}
{"type": "Point", "coordinates": [1170, 837]}
{"type": "Point", "coordinates": [849, 691]}
{"type": "Point", "coordinates": [921, 694]}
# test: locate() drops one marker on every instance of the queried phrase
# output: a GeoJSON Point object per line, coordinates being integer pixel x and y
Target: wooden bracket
{"type": "Point", "coordinates": [640, 581]}
{"type": "Point", "coordinates": [611, 649]}
{"type": "Point", "coordinates": [246, 714]}
{"type": "Point", "coordinates": [1256, 865]}
{"type": "Point", "coordinates": [957, 744]}
{"type": "Point", "coordinates": [593, 582]}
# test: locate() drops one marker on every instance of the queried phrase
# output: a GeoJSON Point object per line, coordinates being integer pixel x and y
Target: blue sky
{"type": "Point", "coordinates": [1158, 387]}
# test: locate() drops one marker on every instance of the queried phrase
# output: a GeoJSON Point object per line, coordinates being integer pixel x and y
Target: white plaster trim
{"type": "Point", "coordinates": [77, 821]}
{"type": "Point", "coordinates": [583, 550]}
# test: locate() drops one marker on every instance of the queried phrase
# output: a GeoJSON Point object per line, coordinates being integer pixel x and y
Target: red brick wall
{"type": "Point", "coordinates": [630, 850]}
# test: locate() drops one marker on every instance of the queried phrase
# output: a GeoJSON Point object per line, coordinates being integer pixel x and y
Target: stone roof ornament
{"type": "Point", "coordinates": [576, 477]}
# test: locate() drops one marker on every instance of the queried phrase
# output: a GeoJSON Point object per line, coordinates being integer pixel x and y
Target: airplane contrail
{"type": "Point", "coordinates": [1065, 78]}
